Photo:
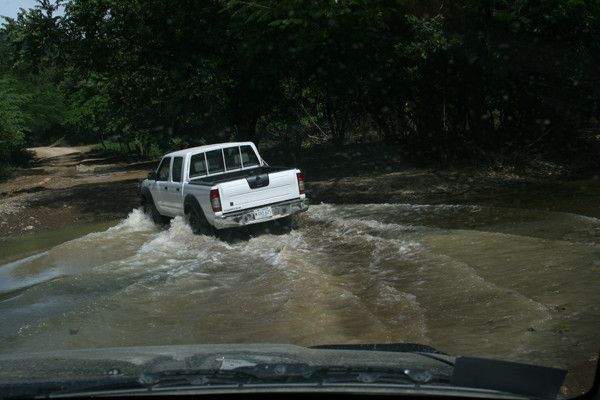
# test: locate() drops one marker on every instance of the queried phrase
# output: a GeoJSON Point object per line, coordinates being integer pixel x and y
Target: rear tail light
{"type": "Point", "coordinates": [300, 183]}
{"type": "Point", "coordinates": [215, 200]}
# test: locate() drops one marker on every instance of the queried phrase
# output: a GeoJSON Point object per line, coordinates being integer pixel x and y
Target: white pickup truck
{"type": "Point", "coordinates": [222, 186]}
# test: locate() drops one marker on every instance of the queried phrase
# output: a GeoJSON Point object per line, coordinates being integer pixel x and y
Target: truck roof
{"type": "Point", "coordinates": [207, 147]}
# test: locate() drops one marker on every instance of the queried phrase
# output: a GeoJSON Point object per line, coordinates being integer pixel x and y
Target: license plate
{"type": "Point", "coordinates": [266, 212]}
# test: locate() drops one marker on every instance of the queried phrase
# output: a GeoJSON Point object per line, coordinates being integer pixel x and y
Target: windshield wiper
{"type": "Point", "coordinates": [340, 374]}
{"type": "Point", "coordinates": [290, 373]}
{"type": "Point", "coordinates": [470, 374]}
{"type": "Point", "coordinates": [240, 377]}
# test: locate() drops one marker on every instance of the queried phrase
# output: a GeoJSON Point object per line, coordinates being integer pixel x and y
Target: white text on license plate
{"type": "Point", "coordinates": [263, 213]}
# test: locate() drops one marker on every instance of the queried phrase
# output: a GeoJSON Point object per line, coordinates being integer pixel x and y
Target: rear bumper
{"type": "Point", "coordinates": [246, 217]}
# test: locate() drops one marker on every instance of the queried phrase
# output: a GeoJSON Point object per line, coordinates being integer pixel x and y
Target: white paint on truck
{"type": "Point", "coordinates": [222, 185]}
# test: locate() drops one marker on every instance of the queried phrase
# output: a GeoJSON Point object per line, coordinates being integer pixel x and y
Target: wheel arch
{"type": "Point", "coordinates": [192, 207]}
{"type": "Point", "coordinates": [146, 196]}
{"type": "Point", "coordinates": [191, 201]}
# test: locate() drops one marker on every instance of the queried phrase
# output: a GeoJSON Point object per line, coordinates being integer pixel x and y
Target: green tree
{"type": "Point", "coordinates": [33, 63]}
{"type": "Point", "coordinates": [35, 38]}
{"type": "Point", "coordinates": [13, 121]}
{"type": "Point", "coordinates": [460, 76]}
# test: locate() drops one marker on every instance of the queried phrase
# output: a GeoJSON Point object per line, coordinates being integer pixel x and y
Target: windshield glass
{"type": "Point", "coordinates": [432, 179]}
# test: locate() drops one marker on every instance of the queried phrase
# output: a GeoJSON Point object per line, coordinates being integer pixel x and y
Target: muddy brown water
{"type": "Point", "coordinates": [514, 276]}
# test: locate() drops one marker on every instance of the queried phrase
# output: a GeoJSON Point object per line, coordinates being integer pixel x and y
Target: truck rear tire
{"type": "Point", "coordinates": [197, 221]}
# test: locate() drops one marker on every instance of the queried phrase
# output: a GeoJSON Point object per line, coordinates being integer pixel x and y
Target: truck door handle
{"type": "Point", "coordinates": [177, 189]}
{"type": "Point", "coordinates": [166, 188]}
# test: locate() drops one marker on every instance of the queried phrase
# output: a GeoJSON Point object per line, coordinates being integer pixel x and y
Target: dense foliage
{"type": "Point", "coordinates": [435, 77]}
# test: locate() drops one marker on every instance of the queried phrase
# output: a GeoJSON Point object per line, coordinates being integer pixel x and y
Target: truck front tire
{"type": "Point", "coordinates": [150, 209]}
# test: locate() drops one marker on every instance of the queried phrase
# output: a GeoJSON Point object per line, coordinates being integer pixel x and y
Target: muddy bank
{"type": "Point", "coordinates": [70, 185]}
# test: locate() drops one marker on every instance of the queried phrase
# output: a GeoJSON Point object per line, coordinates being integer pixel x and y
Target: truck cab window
{"type": "Point", "coordinates": [232, 158]}
{"type": "Point", "coordinates": [177, 167]}
{"type": "Point", "coordinates": [214, 160]}
{"type": "Point", "coordinates": [197, 165]}
{"type": "Point", "coordinates": [249, 158]}
{"type": "Point", "coordinates": [163, 169]}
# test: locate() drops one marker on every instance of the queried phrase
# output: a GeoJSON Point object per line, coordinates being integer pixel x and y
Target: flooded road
{"type": "Point", "coordinates": [484, 280]}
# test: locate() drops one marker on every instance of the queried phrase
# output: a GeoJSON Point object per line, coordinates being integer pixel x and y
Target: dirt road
{"type": "Point", "coordinates": [68, 186]}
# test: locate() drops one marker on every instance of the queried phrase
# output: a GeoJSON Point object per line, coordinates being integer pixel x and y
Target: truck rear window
{"type": "Point", "coordinates": [232, 158]}
{"type": "Point", "coordinates": [215, 161]}
{"type": "Point", "coordinates": [197, 165]}
{"type": "Point", "coordinates": [249, 158]}
{"type": "Point", "coordinates": [219, 161]}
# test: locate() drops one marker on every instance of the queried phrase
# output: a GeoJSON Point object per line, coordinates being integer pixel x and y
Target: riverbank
{"type": "Point", "coordinates": [70, 185]}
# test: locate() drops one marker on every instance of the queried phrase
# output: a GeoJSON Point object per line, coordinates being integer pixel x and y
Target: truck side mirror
{"type": "Point", "coordinates": [151, 176]}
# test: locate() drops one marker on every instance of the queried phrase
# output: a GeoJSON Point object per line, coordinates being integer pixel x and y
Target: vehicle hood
{"type": "Point", "coordinates": [424, 369]}
{"type": "Point", "coordinates": [132, 361]}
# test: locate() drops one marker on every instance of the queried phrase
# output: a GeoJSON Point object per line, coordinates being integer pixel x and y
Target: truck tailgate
{"type": "Point", "coordinates": [258, 190]}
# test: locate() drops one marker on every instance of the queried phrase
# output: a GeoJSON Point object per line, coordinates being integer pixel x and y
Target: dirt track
{"type": "Point", "coordinates": [68, 186]}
